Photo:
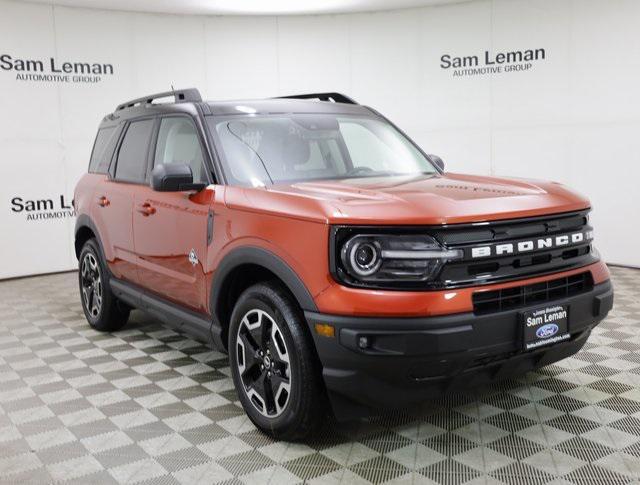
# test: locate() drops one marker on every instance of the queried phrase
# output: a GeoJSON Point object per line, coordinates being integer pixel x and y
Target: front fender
{"type": "Point", "coordinates": [260, 257]}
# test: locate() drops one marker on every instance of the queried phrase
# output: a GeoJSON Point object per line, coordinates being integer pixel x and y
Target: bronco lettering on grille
{"type": "Point", "coordinates": [542, 243]}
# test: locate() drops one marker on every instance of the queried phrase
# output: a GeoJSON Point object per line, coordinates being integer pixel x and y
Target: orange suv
{"type": "Point", "coordinates": [338, 264]}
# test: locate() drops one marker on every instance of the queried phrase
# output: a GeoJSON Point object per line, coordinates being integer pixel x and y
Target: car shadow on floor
{"type": "Point", "coordinates": [444, 414]}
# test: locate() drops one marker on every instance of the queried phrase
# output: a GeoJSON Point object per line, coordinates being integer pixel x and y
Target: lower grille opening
{"type": "Point", "coordinates": [520, 296]}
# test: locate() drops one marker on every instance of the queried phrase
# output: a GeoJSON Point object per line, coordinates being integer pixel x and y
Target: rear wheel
{"type": "Point", "coordinates": [103, 310]}
{"type": "Point", "coordinates": [273, 364]}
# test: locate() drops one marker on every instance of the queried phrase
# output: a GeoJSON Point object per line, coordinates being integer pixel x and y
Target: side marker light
{"type": "Point", "coordinates": [325, 330]}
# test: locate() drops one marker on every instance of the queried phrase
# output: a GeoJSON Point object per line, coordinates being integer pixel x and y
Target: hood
{"type": "Point", "coordinates": [424, 199]}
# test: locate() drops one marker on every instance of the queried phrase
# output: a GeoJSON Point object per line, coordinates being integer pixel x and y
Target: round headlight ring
{"type": "Point", "coordinates": [365, 258]}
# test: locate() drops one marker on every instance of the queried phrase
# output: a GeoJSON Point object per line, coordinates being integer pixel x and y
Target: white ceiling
{"type": "Point", "coordinates": [247, 7]}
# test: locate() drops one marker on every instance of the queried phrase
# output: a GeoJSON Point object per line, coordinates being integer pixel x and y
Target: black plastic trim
{"type": "Point", "coordinates": [407, 360]}
{"type": "Point", "coordinates": [180, 96]}
{"type": "Point", "coordinates": [259, 257]}
{"type": "Point", "coordinates": [493, 301]}
{"type": "Point", "coordinates": [195, 324]}
{"type": "Point", "coordinates": [83, 220]}
{"type": "Point", "coordinates": [400, 325]}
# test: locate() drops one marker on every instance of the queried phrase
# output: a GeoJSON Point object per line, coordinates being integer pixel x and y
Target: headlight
{"type": "Point", "coordinates": [362, 257]}
{"type": "Point", "coordinates": [390, 260]}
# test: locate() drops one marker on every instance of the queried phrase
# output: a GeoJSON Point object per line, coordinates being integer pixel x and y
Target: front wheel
{"type": "Point", "coordinates": [273, 364]}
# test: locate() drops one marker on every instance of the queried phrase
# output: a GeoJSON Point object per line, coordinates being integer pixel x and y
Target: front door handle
{"type": "Point", "coordinates": [146, 209]}
{"type": "Point", "coordinates": [103, 201]}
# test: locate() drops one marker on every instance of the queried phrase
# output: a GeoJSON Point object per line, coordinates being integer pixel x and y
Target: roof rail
{"type": "Point", "coordinates": [180, 96]}
{"type": "Point", "coordinates": [331, 97]}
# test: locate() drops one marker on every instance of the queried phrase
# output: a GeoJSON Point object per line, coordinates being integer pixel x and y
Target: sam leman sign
{"type": "Point", "coordinates": [52, 70]}
{"type": "Point", "coordinates": [492, 63]}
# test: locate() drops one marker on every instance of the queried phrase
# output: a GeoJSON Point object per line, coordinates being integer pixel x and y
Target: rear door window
{"type": "Point", "coordinates": [131, 165]}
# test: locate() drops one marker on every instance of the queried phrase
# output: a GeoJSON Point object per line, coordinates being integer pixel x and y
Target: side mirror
{"type": "Point", "coordinates": [437, 161]}
{"type": "Point", "coordinates": [174, 177]}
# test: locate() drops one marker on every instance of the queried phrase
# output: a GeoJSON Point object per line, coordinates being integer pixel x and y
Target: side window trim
{"type": "Point", "coordinates": [216, 157]}
{"type": "Point", "coordinates": [212, 152]}
{"type": "Point", "coordinates": [203, 148]}
{"type": "Point", "coordinates": [116, 152]}
{"type": "Point", "coordinates": [151, 151]}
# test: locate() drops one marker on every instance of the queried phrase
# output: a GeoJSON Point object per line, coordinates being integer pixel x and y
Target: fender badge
{"type": "Point", "coordinates": [193, 257]}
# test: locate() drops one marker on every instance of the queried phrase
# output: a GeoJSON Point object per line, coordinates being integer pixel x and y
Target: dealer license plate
{"type": "Point", "coordinates": [545, 326]}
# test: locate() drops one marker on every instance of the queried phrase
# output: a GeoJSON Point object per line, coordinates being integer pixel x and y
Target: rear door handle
{"type": "Point", "coordinates": [103, 201]}
{"type": "Point", "coordinates": [146, 209]}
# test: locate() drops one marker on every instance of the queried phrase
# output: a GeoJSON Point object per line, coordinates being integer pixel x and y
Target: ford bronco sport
{"type": "Point", "coordinates": [338, 264]}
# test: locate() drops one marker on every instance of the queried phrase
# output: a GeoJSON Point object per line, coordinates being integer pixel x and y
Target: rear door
{"type": "Point", "coordinates": [115, 196]}
{"type": "Point", "coordinates": [171, 228]}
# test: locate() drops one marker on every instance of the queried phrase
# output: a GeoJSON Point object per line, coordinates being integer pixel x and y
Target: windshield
{"type": "Point", "coordinates": [268, 149]}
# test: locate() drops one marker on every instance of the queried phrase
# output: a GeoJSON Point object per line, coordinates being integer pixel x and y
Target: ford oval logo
{"type": "Point", "coordinates": [548, 330]}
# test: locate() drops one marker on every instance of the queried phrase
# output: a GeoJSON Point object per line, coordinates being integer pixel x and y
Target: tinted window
{"type": "Point", "coordinates": [132, 156]}
{"type": "Point", "coordinates": [178, 143]}
{"type": "Point", "coordinates": [102, 150]}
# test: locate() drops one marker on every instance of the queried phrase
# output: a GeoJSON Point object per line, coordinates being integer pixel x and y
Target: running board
{"type": "Point", "coordinates": [195, 324]}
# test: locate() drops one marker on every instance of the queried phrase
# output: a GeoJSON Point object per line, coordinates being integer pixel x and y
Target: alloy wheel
{"type": "Point", "coordinates": [263, 363]}
{"type": "Point", "coordinates": [91, 285]}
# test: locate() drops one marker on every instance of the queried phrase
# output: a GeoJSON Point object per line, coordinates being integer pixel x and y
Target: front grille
{"type": "Point", "coordinates": [492, 251]}
{"type": "Point", "coordinates": [473, 271]}
{"type": "Point", "coordinates": [520, 296]}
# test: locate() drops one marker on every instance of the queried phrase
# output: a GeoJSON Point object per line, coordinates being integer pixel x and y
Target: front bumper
{"type": "Point", "coordinates": [408, 360]}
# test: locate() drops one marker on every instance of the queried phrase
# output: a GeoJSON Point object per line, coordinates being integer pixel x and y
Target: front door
{"type": "Point", "coordinates": [170, 228]}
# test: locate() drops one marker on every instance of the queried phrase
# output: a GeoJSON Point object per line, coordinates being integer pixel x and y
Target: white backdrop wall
{"type": "Point", "coordinates": [572, 117]}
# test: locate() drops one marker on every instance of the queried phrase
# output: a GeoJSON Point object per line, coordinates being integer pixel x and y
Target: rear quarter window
{"type": "Point", "coordinates": [102, 150]}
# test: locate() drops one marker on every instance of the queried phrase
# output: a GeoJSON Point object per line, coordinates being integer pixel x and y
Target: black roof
{"type": "Point", "coordinates": [186, 99]}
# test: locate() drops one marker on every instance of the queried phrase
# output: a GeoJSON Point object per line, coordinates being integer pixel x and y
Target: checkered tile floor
{"type": "Point", "coordinates": [148, 405]}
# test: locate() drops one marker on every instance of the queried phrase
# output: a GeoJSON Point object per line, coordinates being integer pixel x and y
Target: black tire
{"type": "Point", "coordinates": [305, 408]}
{"type": "Point", "coordinates": [101, 308]}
